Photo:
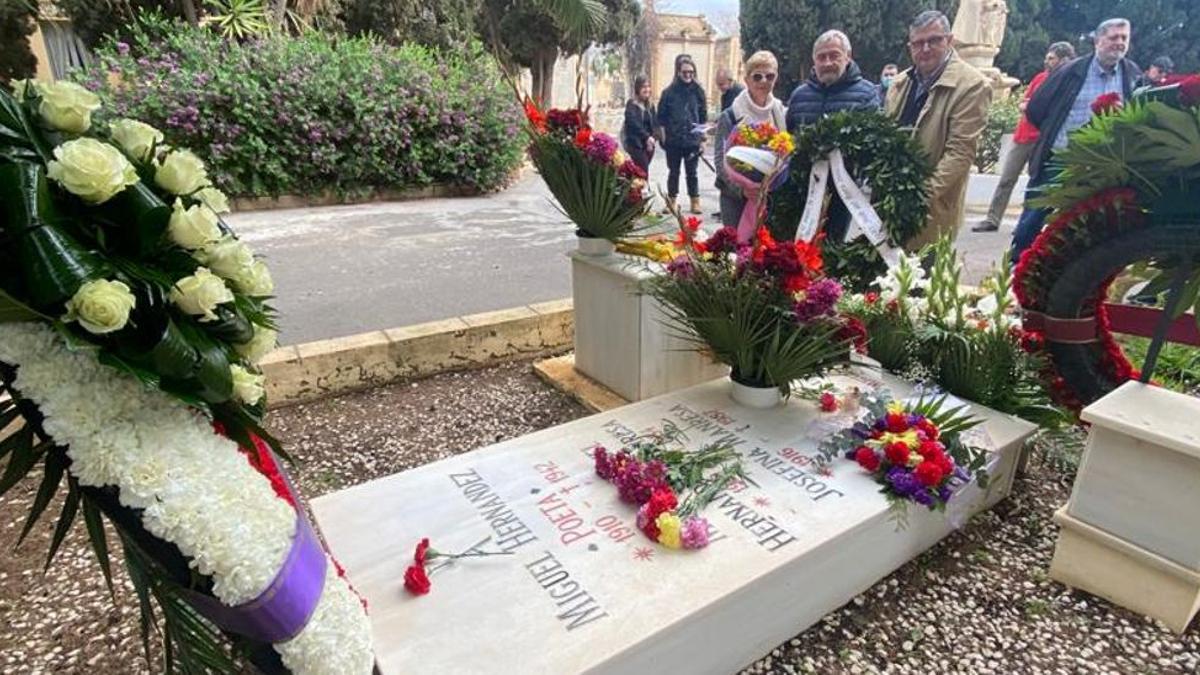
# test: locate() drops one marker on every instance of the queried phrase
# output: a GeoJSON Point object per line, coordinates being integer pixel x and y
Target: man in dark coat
{"type": "Point", "coordinates": [681, 107]}
{"type": "Point", "coordinates": [729, 88]}
{"type": "Point", "coordinates": [836, 84]}
{"type": "Point", "coordinates": [1063, 104]}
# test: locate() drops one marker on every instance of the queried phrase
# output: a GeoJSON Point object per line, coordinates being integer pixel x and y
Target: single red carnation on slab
{"type": "Point", "coordinates": [829, 402]}
{"type": "Point", "coordinates": [416, 581]}
{"type": "Point", "coordinates": [422, 550]}
{"type": "Point", "coordinates": [867, 458]}
{"type": "Point", "coordinates": [897, 423]}
{"type": "Point", "coordinates": [929, 473]}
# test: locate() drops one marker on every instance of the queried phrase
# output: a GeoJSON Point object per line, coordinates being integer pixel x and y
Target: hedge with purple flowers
{"type": "Point", "coordinates": [304, 115]}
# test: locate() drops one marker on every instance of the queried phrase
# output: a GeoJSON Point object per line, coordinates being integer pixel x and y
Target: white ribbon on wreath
{"type": "Point", "coordinates": [864, 221]}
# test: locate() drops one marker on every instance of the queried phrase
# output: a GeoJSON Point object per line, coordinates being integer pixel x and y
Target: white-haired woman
{"type": "Point", "coordinates": [754, 105]}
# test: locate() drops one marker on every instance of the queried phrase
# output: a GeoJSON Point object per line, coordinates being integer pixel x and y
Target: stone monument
{"type": "Point", "coordinates": [978, 33]}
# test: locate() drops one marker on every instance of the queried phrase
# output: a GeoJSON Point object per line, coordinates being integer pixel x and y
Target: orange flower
{"type": "Point", "coordinates": [583, 137]}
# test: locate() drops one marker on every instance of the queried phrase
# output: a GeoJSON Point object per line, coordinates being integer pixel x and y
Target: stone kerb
{"type": "Point", "coordinates": [328, 367]}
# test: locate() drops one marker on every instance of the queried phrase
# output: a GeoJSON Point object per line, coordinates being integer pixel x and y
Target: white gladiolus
{"type": "Point", "coordinates": [196, 490]}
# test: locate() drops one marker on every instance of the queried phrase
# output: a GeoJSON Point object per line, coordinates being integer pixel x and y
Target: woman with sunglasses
{"type": "Point", "coordinates": [756, 104]}
{"type": "Point", "coordinates": [681, 108]}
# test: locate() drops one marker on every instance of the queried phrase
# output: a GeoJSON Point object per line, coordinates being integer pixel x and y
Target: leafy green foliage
{"type": "Point", "coordinates": [16, 25]}
{"type": "Point", "coordinates": [1002, 119]}
{"type": "Point", "coordinates": [877, 153]}
{"type": "Point", "coordinates": [697, 476]}
{"type": "Point", "coordinates": [316, 114]}
{"type": "Point", "coordinates": [1178, 366]}
{"type": "Point", "coordinates": [591, 195]}
{"type": "Point", "coordinates": [238, 19]}
{"type": "Point", "coordinates": [878, 32]}
{"type": "Point", "coordinates": [741, 319]}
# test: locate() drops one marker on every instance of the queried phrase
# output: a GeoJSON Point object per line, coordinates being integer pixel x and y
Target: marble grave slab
{"type": "Point", "coordinates": [585, 591]}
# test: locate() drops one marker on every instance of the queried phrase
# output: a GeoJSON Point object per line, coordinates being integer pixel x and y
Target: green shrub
{"type": "Point", "coordinates": [1002, 119]}
{"type": "Point", "coordinates": [300, 115]}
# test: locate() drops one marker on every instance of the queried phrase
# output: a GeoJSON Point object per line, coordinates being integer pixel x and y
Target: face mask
{"type": "Point", "coordinates": [886, 81]}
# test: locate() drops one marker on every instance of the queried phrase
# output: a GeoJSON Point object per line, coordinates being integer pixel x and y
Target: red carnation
{"type": "Point", "coordinates": [929, 473]}
{"type": "Point", "coordinates": [946, 463]}
{"type": "Point", "coordinates": [930, 450]}
{"type": "Point", "coordinates": [854, 331]}
{"type": "Point", "coordinates": [661, 501]}
{"type": "Point", "coordinates": [583, 137]}
{"type": "Point", "coordinates": [867, 458]}
{"type": "Point", "coordinates": [929, 429]}
{"type": "Point", "coordinates": [897, 423]}
{"type": "Point", "coordinates": [829, 403]}
{"type": "Point", "coordinates": [871, 298]}
{"type": "Point", "coordinates": [1106, 103]}
{"type": "Point", "coordinates": [415, 580]}
{"type": "Point", "coordinates": [422, 550]}
{"type": "Point", "coordinates": [692, 223]}
{"type": "Point", "coordinates": [897, 453]}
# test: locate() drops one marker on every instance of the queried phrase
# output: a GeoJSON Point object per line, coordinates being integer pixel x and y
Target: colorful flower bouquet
{"type": "Point", "coordinates": [764, 308]}
{"type": "Point", "coordinates": [131, 319]}
{"type": "Point", "coordinates": [595, 184]}
{"type": "Point", "coordinates": [913, 450]}
{"type": "Point", "coordinates": [669, 484]}
{"type": "Point", "coordinates": [754, 154]}
{"type": "Point", "coordinates": [927, 328]}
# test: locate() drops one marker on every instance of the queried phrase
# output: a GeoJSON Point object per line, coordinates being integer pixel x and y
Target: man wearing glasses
{"type": "Point", "coordinates": [836, 83]}
{"type": "Point", "coordinates": [945, 101]}
{"type": "Point", "coordinates": [1063, 104]}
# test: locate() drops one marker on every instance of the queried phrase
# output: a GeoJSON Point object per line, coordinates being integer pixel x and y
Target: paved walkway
{"type": "Point", "coordinates": [348, 269]}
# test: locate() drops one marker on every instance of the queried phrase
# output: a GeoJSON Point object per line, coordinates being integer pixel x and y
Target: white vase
{"type": "Point", "coordinates": [595, 246]}
{"type": "Point", "coordinates": [760, 398]}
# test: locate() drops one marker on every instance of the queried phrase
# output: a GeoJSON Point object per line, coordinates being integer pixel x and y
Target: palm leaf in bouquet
{"type": "Point", "coordinates": [590, 194]}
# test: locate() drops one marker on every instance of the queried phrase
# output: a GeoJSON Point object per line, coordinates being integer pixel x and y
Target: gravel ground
{"type": "Point", "coordinates": [979, 602]}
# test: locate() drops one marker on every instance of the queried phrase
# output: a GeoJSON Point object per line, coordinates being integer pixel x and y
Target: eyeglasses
{"type": "Point", "coordinates": [759, 77]}
{"type": "Point", "coordinates": [687, 72]}
{"type": "Point", "coordinates": [929, 43]}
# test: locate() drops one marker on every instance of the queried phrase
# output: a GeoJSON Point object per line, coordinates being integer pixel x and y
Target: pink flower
{"type": "Point", "coordinates": [695, 532]}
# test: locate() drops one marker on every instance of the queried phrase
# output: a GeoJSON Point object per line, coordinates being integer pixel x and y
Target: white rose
{"type": "Point", "coordinates": [247, 387]}
{"type": "Point", "coordinates": [255, 280]}
{"type": "Point", "coordinates": [101, 306]}
{"type": "Point", "coordinates": [228, 258]}
{"type": "Point", "coordinates": [181, 173]}
{"type": "Point", "coordinates": [136, 138]}
{"type": "Point", "coordinates": [22, 89]}
{"type": "Point", "coordinates": [194, 227]}
{"type": "Point", "coordinates": [213, 199]}
{"type": "Point", "coordinates": [66, 106]}
{"type": "Point", "coordinates": [260, 345]}
{"type": "Point", "coordinates": [91, 169]}
{"type": "Point", "coordinates": [200, 293]}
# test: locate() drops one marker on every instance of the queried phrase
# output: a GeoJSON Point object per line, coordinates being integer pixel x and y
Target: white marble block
{"type": "Point", "coordinates": [1130, 530]}
{"type": "Point", "coordinates": [620, 340]}
{"type": "Point", "coordinates": [585, 591]}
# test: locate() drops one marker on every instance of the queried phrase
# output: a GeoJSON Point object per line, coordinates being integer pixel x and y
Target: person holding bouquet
{"type": "Point", "coordinates": [754, 106]}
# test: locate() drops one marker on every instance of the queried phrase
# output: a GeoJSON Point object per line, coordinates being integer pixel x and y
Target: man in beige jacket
{"type": "Point", "coordinates": [945, 100]}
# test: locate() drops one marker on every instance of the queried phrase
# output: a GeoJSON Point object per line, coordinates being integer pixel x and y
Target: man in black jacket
{"type": "Point", "coordinates": [681, 107]}
{"type": "Point", "coordinates": [729, 89]}
{"type": "Point", "coordinates": [836, 84]}
{"type": "Point", "coordinates": [1063, 104]}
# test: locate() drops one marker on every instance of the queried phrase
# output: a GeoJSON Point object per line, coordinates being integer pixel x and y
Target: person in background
{"type": "Point", "coordinates": [886, 77]}
{"type": "Point", "coordinates": [637, 134]}
{"type": "Point", "coordinates": [1023, 140]}
{"type": "Point", "coordinates": [945, 102]}
{"type": "Point", "coordinates": [681, 107]}
{"type": "Point", "coordinates": [1063, 104]}
{"type": "Point", "coordinates": [729, 88]}
{"type": "Point", "coordinates": [1158, 71]}
{"type": "Point", "coordinates": [756, 104]}
{"type": "Point", "coordinates": [835, 84]}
